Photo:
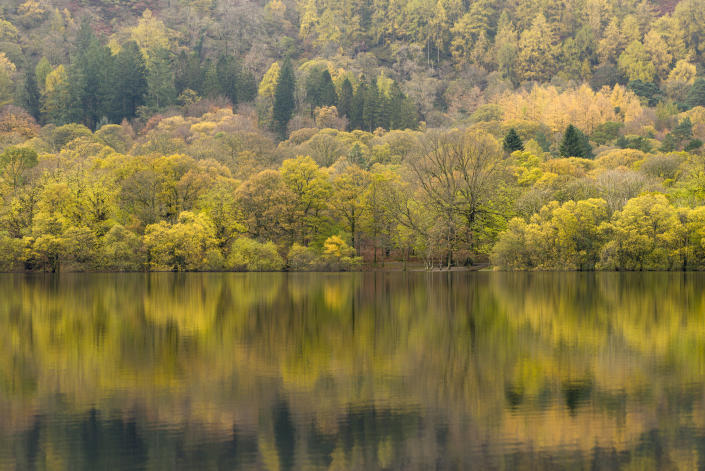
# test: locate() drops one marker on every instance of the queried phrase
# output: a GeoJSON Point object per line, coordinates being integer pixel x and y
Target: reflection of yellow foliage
{"type": "Point", "coordinates": [207, 349]}
{"type": "Point", "coordinates": [268, 452]}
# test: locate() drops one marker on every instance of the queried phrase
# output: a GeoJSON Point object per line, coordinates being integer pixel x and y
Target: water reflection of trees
{"type": "Point", "coordinates": [352, 371]}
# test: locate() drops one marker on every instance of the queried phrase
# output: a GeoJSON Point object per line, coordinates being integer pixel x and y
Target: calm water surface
{"type": "Point", "coordinates": [352, 371]}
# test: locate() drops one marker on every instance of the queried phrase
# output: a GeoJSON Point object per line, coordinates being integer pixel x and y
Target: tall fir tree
{"type": "Point", "coordinates": [211, 84]}
{"type": "Point", "coordinates": [683, 130]}
{"type": "Point", "coordinates": [346, 99]}
{"type": "Point", "coordinates": [31, 95]}
{"type": "Point", "coordinates": [97, 74]}
{"type": "Point", "coordinates": [358, 105]}
{"type": "Point", "coordinates": [512, 141]}
{"type": "Point", "coordinates": [370, 107]}
{"type": "Point", "coordinates": [161, 91]}
{"type": "Point", "coordinates": [284, 99]}
{"type": "Point", "coordinates": [327, 95]}
{"type": "Point", "coordinates": [228, 72]}
{"type": "Point", "coordinates": [130, 82]}
{"type": "Point", "coordinates": [575, 144]}
{"type": "Point", "coordinates": [247, 87]}
{"type": "Point", "coordinates": [696, 94]}
{"type": "Point", "coordinates": [313, 89]}
{"type": "Point", "coordinates": [188, 73]}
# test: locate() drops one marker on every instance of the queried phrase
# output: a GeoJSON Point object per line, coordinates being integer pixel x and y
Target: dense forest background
{"type": "Point", "coordinates": [315, 134]}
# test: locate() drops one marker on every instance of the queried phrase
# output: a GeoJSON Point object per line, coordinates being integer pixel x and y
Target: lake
{"type": "Point", "coordinates": [352, 371]}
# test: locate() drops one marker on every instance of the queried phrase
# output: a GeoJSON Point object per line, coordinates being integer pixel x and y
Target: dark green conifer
{"type": "Point", "coordinates": [284, 101]}
{"type": "Point", "coordinates": [696, 94]}
{"type": "Point", "coordinates": [228, 72]}
{"type": "Point", "coordinates": [358, 104]}
{"type": "Point", "coordinates": [31, 95]}
{"type": "Point", "coordinates": [327, 94]}
{"type": "Point", "coordinates": [346, 99]}
{"type": "Point", "coordinates": [575, 144]}
{"type": "Point", "coordinates": [370, 107]}
{"type": "Point", "coordinates": [512, 141]}
{"type": "Point", "coordinates": [130, 82]}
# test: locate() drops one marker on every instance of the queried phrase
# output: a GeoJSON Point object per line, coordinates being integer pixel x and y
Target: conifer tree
{"type": "Point", "coordinates": [228, 73]}
{"type": "Point", "coordinates": [512, 141]}
{"type": "Point", "coordinates": [358, 104]}
{"type": "Point", "coordinates": [328, 95]}
{"type": "Point", "coordinates": [90, 79]}
{"type": "Point", "coordinates": [284, 101]}
{"type": "Point", "coordinates": [188, 73]}
{"type": "Point", "coordinates": [575, 144]}
{"type": "Point", "coordinates": [31, 95]}
{"type": "Point", "coordinates": [669, 143]}
{"type": "Point", "coordinates": [247, 87]}
{"type": "Point", "coordinates": [130, 82]}
{"type": "Point", "coordinates": [696, 94]}
{"type": "Point", "coordinates": [683, 130]}
{"type": "Point", "coordinates": [161, 91]}
{"type": "Point", "coordinates": [211, 85]}
{"type": "Point", "coordinates": [370, 107]}
{"type": "Point", "coordinates": [346, 99]}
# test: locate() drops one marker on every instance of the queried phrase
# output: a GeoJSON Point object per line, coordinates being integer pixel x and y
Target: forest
{"type": "Point", "coordinates": [316, 135]}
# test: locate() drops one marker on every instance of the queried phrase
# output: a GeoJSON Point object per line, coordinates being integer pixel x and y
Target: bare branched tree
{"type": "Point", "coordinates": [460, 175]}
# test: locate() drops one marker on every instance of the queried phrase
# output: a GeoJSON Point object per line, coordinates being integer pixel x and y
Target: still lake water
{"type": "Point", "coordinates": [352, 371]}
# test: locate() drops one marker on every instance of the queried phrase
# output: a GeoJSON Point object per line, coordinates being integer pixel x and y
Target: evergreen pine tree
{"type": "Point", "coordinates": [313, 89]}
{"type": "Point", "coordinates": [89, 79]}
{"type": "Point", "coordinates": [384, 114]}
{"type": "Point", "coordinates": [346, 99]}
{"type": "Point", "coordinates": [188, 73]}
{"type": "Point", "coordinates": [396, 107]}
{"type": "Point", "coordinates": [327, 94]}
{"type": "Point", "coordinates": [358, 104]}
{"type": "Point", "coordinates": [284, 101]}
{"type": "Point", "coordinates": [512, 141]}
{"type": "Point", "coordinates": [247, 87]}
{"type": "Point", "coordinates": [370, 107]}
{"type": "Point", "coordinates": [160, 81]}
{"type": "Point", "coordinates": [669, 143]}
{"type": "Point", "coordinates": [696, 94]}
{"type": "Point", "coordinates": [228, 73]}
{"type": "Point", "coordinates": [31, 95]}
{"type": "Point", "coordinates": [409, 114]}
{"type": "Point", "coordinates": [211, 84]}
{"type": "Point", "coordinates": [130, 83]}
{"type": "Point", "coordinates": [683, 130]}
{"type": "Point", "coordinates": [575, 144]}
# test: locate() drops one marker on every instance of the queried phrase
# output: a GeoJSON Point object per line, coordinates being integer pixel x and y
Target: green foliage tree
{"type": "Point", "coordinates": [250, 255]}
{"type": "Point", "coordinates": [345, 103]}
{"type": "Point", "coordinates": [189, 244]}
{"type": "Point", "coordinates": [645, 235]}
{"type": "Point", "coordinates": [558, 237]}
{"type": "Point", "coordinates": [229, 72]}
{"type": "Point", "coordinates": [575, 144]}
{"type": "Point", "coordinates": [161, 90]}
{"type": "Point", "coordinates": [129, 82]}
{"type": "Point", "coordinates": [284, 99]}
{"type": "Point", "coordinates": [512, 141]}
{"type": "Point", "coordinates": [31, 96]}
{"type": "Point", "coordinates": [15, 162]}
{"type": "Point", "coordinates": [696, 94]}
